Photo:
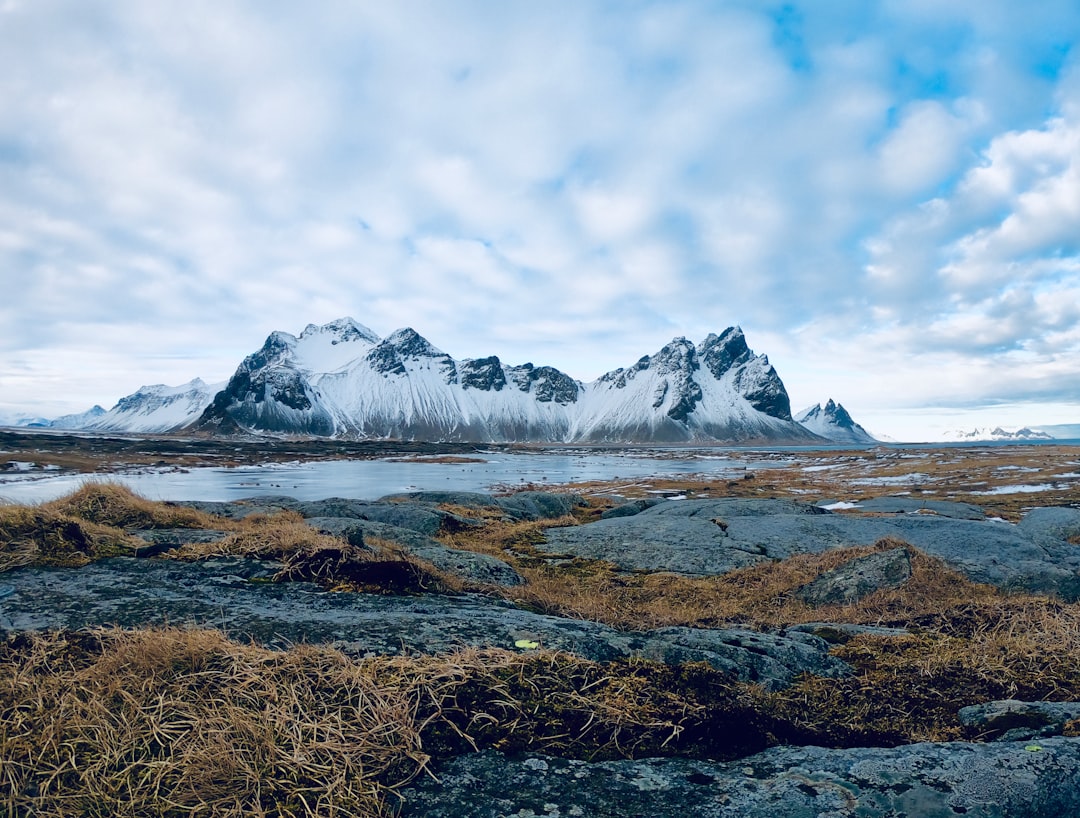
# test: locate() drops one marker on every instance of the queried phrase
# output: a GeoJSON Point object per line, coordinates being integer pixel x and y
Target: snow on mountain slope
{"type": "Point", "coordinates": [341, 379]}
{"type": "Point", "coordinates": [77, 421]}
{"type": "Point", "coordinates": [833, 422]}
{"type": "Point", "coordinates": [716, 391]}
{"type": "Point", "coordinates": [157, 408]}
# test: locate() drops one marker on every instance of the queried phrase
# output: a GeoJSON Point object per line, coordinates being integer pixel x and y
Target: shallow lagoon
{"type": "Point", "coordinates": [371, 479]}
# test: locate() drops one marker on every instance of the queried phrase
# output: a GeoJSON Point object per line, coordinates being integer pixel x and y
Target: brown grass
{"type": "Point", "coordinates": [42, 535]}
{"type": "Point", "coordinates": [186, 723]}
{"type": "Point", "coordinates": [174, 722]}
{"type": "Point", "coordinates": [909, 688]}
{"type": "Point", "coordinates": [116, 505]}
{"type": "Point", "coordinates": [379, 566]}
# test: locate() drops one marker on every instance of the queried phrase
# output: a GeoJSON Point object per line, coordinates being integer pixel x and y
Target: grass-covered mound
{"type": "Point", "coordinates": [93, 522]}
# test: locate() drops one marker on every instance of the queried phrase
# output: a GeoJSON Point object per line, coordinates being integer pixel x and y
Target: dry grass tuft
{"type": "Point", "coordinates": [760, 596]}
{"type": "Point", "coordinates": [42, 535]}
{"type": "Point", "coordinates": [186, 723]}
{"type": "Point", "coordinates": [378, 566]}
{"type": "Point", "coordinates": [555, 703]}
{"type": "Point", "coordinates": [175, 722]}
{"type": "Point", "coordinates": [89, 524]}
{"type": "Point", "coordinates": [116, 505]}
{"type": "Point", "coordinates": [909, 688]}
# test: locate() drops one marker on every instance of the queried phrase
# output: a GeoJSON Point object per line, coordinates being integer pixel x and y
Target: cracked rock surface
{"type": "Point", "coordinates": [1000, 780]}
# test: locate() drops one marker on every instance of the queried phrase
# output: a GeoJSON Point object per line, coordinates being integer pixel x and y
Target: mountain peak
{"type": "Point", "coordinates": [341, 329]}
{"type": "Point", "coordinates": [834, 422]}
{"type": "Point", "coordinates": [411, 343]}
{"type": "Point", "coordinates": [725, 351]}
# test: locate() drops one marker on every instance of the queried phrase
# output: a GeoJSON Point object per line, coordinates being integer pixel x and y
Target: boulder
{"type": "Point", "coordinates": [159, 540]}
{"type": "Point", "coordinates": [998, 780]}
{"type": "Point", "coordinates": [631, 508]}
{"type": "Point", "coordinates": [465, 499]}
{"type": "Point", "coordinates": [419, 517]}
{"type": "Point", "coordinates": [858, 578]}
{"type": "Point", "coordinates": [539, 505]}
{"type": "Point", "coordinates": [1016, 720]}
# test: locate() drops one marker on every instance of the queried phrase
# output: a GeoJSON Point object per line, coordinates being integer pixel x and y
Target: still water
{"type": "Point", "coordinates": [371, 479]}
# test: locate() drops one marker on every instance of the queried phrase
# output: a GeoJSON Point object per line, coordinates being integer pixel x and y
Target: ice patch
{"type": "Point", "coordinates": [892, 480]}
{"type": "Point", "coordinates": [842, 505]}
{"type": "Point", "coordinates": [1016, 489]}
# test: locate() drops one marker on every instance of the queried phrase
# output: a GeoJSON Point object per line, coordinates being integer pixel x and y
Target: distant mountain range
{"type": "Point", "coordinates": [995, 433]}
{"type": "Point", "coordinates": [342, 380]}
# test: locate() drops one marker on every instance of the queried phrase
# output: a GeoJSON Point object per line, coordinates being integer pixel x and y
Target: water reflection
{"type": "Point", "coordinates": [370, 479]}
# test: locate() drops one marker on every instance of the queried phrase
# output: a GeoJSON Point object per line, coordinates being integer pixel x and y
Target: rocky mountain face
{"type": "Point", "coordinates": [341, 379]}
{"type": "Point", "coordinates": [833, 422]}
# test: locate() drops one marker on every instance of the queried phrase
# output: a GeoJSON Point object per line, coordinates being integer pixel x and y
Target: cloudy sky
{"type": "Point", "coordinates": [884, 195]}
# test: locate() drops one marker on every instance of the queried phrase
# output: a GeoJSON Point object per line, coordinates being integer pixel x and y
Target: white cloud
{"type": "Point", "coordinates": [544, 181]}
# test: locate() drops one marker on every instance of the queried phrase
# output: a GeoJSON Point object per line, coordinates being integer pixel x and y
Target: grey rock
{"type": "Point", "coordinates": [1016, 720]}
{"type": "Point", "coordinates": [631, 508]}
{"type": "Point", "coordinates": [524, 505]}
{"type": "Point", "coordinates": [245, 507]}
{"type": "Point", "coordinates": [838, 633]}
{"type": "Point", "coordinates": [914, 505]}
{"type": "Point", "coordinates": [539, 505]}
{"type": "Point", "coordinates": [236, 595]}
{"type": "Point", "coordinates": [420, 517]}
{"type": "Point", "coordinates": [159, 540]}
{"type": "Point", "coordinates": [467, 565]}
{"type": "Point", "coordinates": [772, 659]}
{"type": "Point", "coordinates": [1051, 525]}
{"type": "Point", "coordinates": [467, 499]}
{"type": "Point", "coordinates": [1000, 780]}
{"type": "Point", "coordinates": [708, 537]}
{"type": "Point", "coordinates": [858, 578]}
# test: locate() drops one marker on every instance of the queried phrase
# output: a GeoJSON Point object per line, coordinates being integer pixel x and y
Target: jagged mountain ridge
{"type": "Point", "coordinates": [341, 379]}
{"type": "Point", "coordinates": [832, 421]}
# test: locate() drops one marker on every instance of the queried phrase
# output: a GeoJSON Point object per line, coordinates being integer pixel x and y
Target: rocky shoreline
{"type": "Point", "coordinates": [766, 766]}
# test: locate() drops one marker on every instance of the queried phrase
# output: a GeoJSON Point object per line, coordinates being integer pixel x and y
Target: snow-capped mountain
{"type": "Point", "coordinates": [341, 379]}
{"type": "Point", "coordinates": [15, 420]}
{"type": "Point", "coordinates": [156, 408]}
{"type": "Point", "coordinates": [833, 422]}
{"type": "Point", "coordinates": [995, 433]}
{"type": "Point", "coordinates": [77, 421]}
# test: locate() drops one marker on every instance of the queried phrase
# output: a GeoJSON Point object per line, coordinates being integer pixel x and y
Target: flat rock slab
{"type": "Point", "coordinates": [912, 505]}
{"type": "Point", "coordinates": [523, 505]}
{"type": "Point", "coordinates": [999, 780]}
{"type": "Point", "coordinates": [709, 537]}
{"type": "Point", "coordinates": [235, 595]}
